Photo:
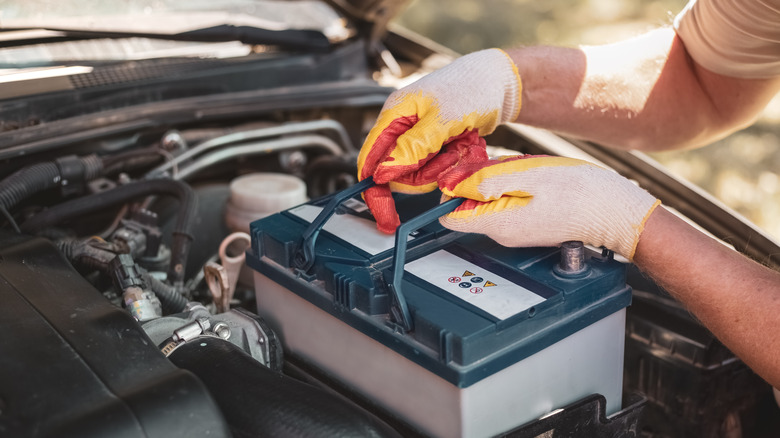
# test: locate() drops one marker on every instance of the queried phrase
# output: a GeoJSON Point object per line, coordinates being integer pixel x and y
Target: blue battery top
{"type": "Point", "coordinates": [459, 305]}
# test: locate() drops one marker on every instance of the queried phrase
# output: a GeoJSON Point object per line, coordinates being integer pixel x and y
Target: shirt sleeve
{"type": "Point", "coordinates": [738, 38]}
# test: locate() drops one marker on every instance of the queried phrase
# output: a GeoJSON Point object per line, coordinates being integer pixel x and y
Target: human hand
{"type": "Point", "coordinates": [474, 94]}
{"type": "Point", "coordinates": [543, 201]}
{"type": "Point", "coordinates": [463, 149]}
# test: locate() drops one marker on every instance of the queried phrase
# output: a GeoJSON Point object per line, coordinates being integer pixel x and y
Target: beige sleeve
{"type": "Point", "coordinates": [738, 38]}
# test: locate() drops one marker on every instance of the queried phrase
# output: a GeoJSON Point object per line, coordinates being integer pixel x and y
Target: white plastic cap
{"type": "Point", "coordinates": [256, 195]}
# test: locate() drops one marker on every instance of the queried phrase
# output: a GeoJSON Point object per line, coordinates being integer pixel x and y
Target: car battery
{"type": "Point", "coordinates": [450, 333]}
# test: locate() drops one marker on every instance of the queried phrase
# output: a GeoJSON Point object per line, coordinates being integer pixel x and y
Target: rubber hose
{"type": "Point", "coordinates": [83, 254]}
{"type": "Point", "coordinates": [42, 176]}
{"type": "Point", "coordinates": [322, 168]}
{"type": "Point", "coordinates": [170, 299]}
{"type": "Point", "coordinates": [182, 239]}
{"type": "Point", "coordinates": [258, 402]}
{"type": "Point", "coordinates": [132, 160]}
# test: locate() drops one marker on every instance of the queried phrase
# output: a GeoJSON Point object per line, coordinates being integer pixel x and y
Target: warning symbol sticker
{"type": "Point", "coordinates": [473, 284]}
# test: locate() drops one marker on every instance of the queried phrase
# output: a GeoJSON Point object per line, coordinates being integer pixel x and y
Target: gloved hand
{"type": "Point", "coordinates": [544, 201]}
{"type": "Point", "coordinates": [475, 93]}
{"type": "Point", "coordinates": [463, 149]}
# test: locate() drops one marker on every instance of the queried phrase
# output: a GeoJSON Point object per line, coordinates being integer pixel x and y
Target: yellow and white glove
{"type": "Point", "coordinates": [474, 94]}
{"type": "Point", "coordinates": [524, 201]}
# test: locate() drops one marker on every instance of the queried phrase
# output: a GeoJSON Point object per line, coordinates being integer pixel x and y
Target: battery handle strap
{"type": "Point", "coordinates": [399, 310]}
{"type": "Point", "coordinates": [304, 255]}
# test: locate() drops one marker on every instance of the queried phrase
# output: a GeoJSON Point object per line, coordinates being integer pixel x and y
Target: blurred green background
{"type": "Point", "coordinates": [741, 170]}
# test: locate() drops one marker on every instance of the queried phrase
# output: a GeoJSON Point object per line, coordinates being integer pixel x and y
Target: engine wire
{"type": "Point", "coordinates": [10, 220]}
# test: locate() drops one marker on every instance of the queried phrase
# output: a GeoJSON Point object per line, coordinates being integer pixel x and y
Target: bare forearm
{"type": "Point", "coordinates": [736, 298]}
{"type": "Point", "coordinates": [644, 93]}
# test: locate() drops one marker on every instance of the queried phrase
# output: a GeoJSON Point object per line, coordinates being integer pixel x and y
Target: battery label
{"type": "Point", "coordinates": [357, 231]}
{"type": "Point", "coordinates": [473, 284]}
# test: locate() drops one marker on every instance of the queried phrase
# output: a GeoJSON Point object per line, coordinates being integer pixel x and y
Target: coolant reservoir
{"type": "Point", "coordinates": [256, 195]}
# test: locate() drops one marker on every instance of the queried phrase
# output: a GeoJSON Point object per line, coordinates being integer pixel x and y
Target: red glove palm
{"type": "Point", "coordinates": [466, 148]}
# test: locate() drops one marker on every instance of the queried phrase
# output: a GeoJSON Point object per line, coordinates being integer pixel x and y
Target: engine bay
{"type": "Point", "coordinates": [126, 199]}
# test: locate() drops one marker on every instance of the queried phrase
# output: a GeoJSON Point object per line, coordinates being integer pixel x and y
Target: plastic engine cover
{"type": "Point", "coordinates": [73, 365]}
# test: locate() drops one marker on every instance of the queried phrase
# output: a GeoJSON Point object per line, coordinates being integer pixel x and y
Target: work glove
{"type": "Point", "coordinates": [524, 201]}
{"type": "Point", "coordinates": [475, 93]}
{"type": "Point", "coordinates": [463, 149]}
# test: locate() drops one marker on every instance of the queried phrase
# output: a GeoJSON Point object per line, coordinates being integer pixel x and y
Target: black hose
{"type": "Point", "coordinates": [170, 298]}
{"type": "Point", "coordinates": [42, 176]}
{"type": "Point", "coordinates": [322, 174]}
{"type": "Point", "coordinates": [182, 239]}
{"type": "Point", "coordinates": [25, 182]}
{"type": "Point", "coordinates": [132, 160]}
{"type": "Point", "coordinates": [83, 254]}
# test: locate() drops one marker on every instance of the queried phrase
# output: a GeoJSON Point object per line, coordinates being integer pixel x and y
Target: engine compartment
{"type": "Point", "coordinates": [116, 234]}
{"type": "Point", "coordinates": [114, 199]}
